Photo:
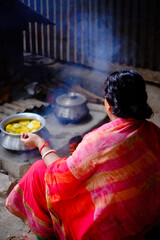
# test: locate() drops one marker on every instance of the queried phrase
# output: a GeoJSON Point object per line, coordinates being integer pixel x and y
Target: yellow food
{"type": "Point", "coordinates": [23, 126]}
{"type": "Point", "coordinates": [9, 128]}
{"type": "Point", "coordinates": [24, 122]}
{"type": "Point", "coordinates": [16, 125]}
{"type": "Point", "coordinates": [36, 124]}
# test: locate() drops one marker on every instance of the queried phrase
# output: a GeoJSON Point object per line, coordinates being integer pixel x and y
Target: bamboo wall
{"type": "Point", "coordinates": [96, 32]}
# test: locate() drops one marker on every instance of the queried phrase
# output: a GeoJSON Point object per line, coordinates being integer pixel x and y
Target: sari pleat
{"type": "Point", "coordinates": [27, 201]}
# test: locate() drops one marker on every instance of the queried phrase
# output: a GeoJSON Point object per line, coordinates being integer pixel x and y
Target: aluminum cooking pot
{"type": "Point", "coordinates": [12, 141]}
{"type": "Point", "coordinates": [71, 107]}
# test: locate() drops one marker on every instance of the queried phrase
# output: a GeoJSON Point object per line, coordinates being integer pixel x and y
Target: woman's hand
{"type": "Point", "coordinates": [32, 140]}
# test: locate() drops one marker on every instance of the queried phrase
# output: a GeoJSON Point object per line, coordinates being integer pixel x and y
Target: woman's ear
{"type": "Point", "coordinates": [109, 110]}
{"type": "Point", "coordinates": [107, 105]}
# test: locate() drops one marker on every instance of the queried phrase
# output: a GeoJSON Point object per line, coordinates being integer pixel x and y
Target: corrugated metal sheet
{"type": "Point", "coordinates": [94, 32]}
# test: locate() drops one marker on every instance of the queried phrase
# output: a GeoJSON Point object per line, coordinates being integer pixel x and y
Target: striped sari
{"type": "Point", "coordinates": [108, 189]}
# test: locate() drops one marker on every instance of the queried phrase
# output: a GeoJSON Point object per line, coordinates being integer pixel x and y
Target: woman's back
{"type": "Point", "coordinates": [115, 179]}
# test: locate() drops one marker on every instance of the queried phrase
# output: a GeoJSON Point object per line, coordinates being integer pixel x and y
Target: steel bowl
{"type": "Point", "coordinates": [12, 141]}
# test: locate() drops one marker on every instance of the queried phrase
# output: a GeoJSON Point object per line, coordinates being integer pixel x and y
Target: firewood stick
{"type": "Point", "coordinates": [88, 94]}
{"type": "Point", "coordinates": [96, 107]}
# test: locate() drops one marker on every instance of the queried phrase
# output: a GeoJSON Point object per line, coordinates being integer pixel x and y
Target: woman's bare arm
{"type": "Point", "coordinates": [33, 140]}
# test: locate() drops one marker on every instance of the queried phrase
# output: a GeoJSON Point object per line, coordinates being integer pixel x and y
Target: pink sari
{"type": "Point", "coordinates": [108, 189]}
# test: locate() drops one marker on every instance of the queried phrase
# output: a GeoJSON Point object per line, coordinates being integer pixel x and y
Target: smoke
{"type": "Point", "coordinates": [88, 33]}
{"type": "Point", "coordinates": [91, 43]}
{"type": "Point", "coordinates": [94, 40]}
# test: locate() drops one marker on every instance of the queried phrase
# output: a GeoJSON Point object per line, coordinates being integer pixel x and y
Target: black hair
{"type": "Point", "coordinates": [125, 91]}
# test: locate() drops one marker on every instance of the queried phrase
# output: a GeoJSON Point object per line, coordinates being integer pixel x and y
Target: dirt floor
{"type": "Point", "coordinates": [11, 227]}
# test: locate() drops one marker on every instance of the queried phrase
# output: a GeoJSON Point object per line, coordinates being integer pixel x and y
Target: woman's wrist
{"type": "Point", "coordinates": [43, 146]}
{"type": "Point", "coordinates": [40, 143]}
{"type": "Point", "coordinates": [46, 143]}
{"type": "Point", "coordinates": [48, 152]}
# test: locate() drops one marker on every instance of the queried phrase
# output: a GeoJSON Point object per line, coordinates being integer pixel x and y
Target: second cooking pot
{"type": "Point", "coordinates": [12, 141]}
{"type": "Point", "coordinates": [71, 107]}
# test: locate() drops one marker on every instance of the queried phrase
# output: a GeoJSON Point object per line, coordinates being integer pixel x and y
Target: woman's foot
{"type": "Point", "coordinates": [28, 236]}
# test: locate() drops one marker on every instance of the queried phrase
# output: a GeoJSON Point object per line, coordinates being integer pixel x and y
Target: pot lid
{"type": "Point", "coordinates": [70, 99]}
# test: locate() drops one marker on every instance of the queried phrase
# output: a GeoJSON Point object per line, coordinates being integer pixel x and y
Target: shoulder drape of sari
{"type": "Point", "coordinates": [109, 188]}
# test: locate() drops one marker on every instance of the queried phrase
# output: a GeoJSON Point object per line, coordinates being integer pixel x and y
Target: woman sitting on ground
{"type": "Point", "coordinates": [109, 189]}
